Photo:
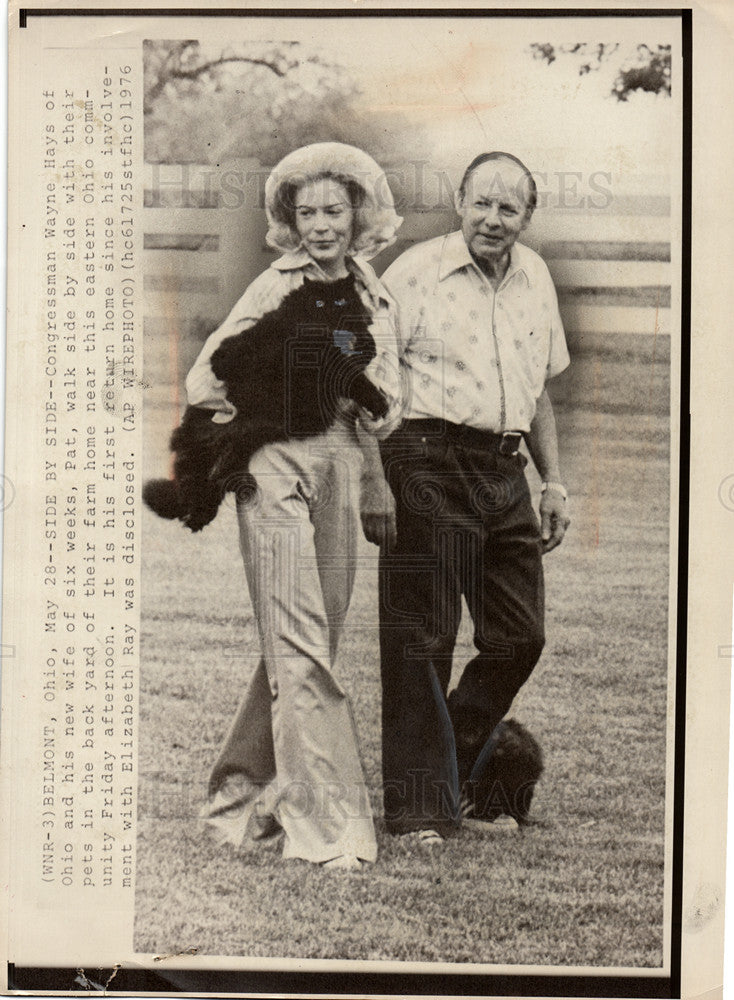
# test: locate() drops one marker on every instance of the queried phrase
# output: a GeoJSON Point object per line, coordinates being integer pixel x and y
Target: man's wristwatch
{"type": "Point", "coordinates": [556, 487]}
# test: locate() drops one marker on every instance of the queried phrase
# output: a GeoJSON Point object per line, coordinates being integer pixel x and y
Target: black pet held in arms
{"type": "Point", "coordinates": [285, 375]}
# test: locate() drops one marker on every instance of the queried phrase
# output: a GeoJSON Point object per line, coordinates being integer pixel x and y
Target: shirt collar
{"type": "Point", "coordinates": [301, 260]}
{"type": "Point", "coordinates": [296, 260]}
{"type": "Point", "coordinates": [455, 255]}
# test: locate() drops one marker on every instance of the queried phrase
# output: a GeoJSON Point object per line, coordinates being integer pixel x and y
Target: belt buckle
{"type": "Point", "coordinates": [510, 443]}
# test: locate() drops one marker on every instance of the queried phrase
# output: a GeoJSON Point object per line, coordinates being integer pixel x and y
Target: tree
{"type": "Point", "coordinates": [646, 69]}
{"type": "Point", "coordinates": [253, 99]}
{"type": "Point", "coordinates": [175, 62]}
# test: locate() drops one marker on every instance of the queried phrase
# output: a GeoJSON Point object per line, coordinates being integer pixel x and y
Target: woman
{"type": "Point", "coordinates": [290, 760]}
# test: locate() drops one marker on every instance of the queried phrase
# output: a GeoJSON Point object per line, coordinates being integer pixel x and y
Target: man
{"type": "Point", "coordinates": [480, 336]}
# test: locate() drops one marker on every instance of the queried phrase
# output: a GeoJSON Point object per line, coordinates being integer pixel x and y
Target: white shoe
{"type": "Point", "coordinates": [423, 838]}
{"type": "Point", "coordinates": [344, 863]}
{"type": "Point", "coordinates": [503, 824]}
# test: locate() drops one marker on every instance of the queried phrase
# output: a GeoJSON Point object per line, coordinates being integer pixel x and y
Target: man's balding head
{"type": "Point", "coordinates": [495, 200]}
{"type": "Point", "coordinates": [527, 183]}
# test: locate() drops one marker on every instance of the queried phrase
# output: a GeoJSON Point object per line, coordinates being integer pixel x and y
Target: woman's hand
{"type": "Point", "coordinates": [377, 509]}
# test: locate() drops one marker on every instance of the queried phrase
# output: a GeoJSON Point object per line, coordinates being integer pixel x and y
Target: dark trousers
{"type": "Point", "coordinates": [465, 526]}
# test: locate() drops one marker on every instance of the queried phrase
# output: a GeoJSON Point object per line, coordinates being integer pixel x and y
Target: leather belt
{"type": "Point", "coordinates": [507, 443]}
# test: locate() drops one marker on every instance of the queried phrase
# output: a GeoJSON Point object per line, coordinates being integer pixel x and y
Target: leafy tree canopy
{"type": "Point", "coordinates": [645, 69]}
{"type": "Point", "coordinates": [255, 99]}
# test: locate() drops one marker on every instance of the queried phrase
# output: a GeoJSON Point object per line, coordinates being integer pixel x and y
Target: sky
{"type": "Point", "coordinates": [472, 85]}
{"type": "Point", "coordinates": [477, 87]}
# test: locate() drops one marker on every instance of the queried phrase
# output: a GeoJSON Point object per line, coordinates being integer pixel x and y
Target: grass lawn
{"type": "Point", "coordinates": [582, 887]}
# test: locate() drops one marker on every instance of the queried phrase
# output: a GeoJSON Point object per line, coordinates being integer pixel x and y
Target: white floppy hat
{"type": "Point", "coordinates": [377, 220]}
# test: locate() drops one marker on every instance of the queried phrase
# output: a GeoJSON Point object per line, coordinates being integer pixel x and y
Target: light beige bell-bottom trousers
{"type": "Point", "coordinates": [290, 759]}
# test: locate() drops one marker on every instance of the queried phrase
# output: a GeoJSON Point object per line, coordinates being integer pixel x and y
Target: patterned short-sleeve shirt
{"type": "Point", "coordinates": [474, 355]}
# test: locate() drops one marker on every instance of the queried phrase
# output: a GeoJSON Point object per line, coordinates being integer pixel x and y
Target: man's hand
{"type": "Point", "coordinates": [377, 508]}
{"type": "Point", "coordinates": [553, 519]}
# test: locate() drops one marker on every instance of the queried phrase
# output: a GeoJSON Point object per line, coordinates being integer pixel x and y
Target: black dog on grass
{"type": "Point", "coordinates": [285, 376]}
{"type": "Point", "coordinates": [498, 772]}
